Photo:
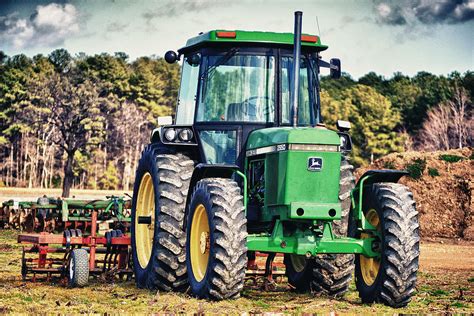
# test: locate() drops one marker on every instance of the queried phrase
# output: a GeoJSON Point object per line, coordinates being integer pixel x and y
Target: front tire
{"type": "Point", "coordinates": [391, 278]}
{"type": "Point", "coordinates": [216, 240]}
{"type": "Point", "coordinates": [158, 208]}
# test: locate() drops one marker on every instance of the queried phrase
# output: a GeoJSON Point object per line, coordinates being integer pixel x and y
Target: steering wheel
{"type": "Point", "coordinates": [251, 105]}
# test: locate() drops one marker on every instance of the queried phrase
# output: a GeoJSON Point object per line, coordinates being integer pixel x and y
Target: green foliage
{"type": "Point", "coordinates": [416, 168]}
{"type": "Point", "coordinates": [403, 94]}
{"type": "Point", "coordinates": [109, 179]}
{"type": "Point", "coordinates": [389, 165]}
{"type": "Point", "coordinates": [154, 85]}
{"type": "Point", "coordinates": [57, 181]}
{"type": "Point", "coordinates": [375, 81]}
{"type": "Point", "coordinates": [336, 87]}
{"type": "Point", "coordinates": [451, 158]}
{"type": "Point", "coordinates": [373, 121]}
{"type": "Point", "coordinates": [439, 292]}
{"type": "Point", "coordinates": [433, 172]}
{"type": "Point", "coordinates": [61, 60]}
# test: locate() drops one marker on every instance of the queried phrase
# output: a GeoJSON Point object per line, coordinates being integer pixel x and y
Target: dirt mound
{"type": "Point", "coordinates": [442, 184]}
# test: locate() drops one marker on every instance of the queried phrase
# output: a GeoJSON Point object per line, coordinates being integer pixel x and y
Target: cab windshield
{"type": "Point", "coordinates": [242, 89]}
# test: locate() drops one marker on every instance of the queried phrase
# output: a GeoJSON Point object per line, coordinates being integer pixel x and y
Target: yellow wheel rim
{"type": "Point", "coordinates": [298, 262]}
{"type": "Point", "coordinates": [199, 242]}
{"type": "Point", "coordinates": [369, 267]}
{"type": "Point", "coordinates": [144, 232]}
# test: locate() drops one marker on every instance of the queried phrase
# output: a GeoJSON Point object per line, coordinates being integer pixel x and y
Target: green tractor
{"type": "Point", "coordinates": [248, 166]}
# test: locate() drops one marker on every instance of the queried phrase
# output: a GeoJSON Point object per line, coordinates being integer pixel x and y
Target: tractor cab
{"type": "Point", "coordinates": [234, 82]}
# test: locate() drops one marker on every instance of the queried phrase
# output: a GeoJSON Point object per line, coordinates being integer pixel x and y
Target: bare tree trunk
{"type": "Point", "coordinates": [10, 178]}
{"type": "Point", "coordinates": [459, 122]}
{"type": "Point", "coordinates": [51, 166]}
{"type": "Point", "coordinates": [68, 174]}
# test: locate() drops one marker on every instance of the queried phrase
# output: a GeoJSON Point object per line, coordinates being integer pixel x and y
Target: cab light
{"type": "Point", "coordinates": [309, 38]}
{"type": "Point", "coordinates": [224, 34]}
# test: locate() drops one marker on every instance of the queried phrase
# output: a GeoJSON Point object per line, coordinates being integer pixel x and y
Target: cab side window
{"type": "Point", "coordinates": [188, 91]}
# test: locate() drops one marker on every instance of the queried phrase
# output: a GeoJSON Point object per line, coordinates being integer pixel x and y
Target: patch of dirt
{"type": "Point", "coordinates": [6, 247]}
{"type": "Point", "coordinates": [443, 192]}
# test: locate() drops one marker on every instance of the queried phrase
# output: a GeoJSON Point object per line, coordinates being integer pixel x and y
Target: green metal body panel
{"type": "Point", "coordinates": [292, 135]}
{"type": "Point", "coordinates": [290, 186]}
{"type": "Point", "coordinates": [251, 37]}
{"type": "Point", "coordinates": [291, 190]}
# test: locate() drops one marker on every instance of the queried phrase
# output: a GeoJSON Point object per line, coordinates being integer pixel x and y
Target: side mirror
{"type": "Point", "coordinates": [171, 57]}
{"type": "Point", "coordinates": [165, 120]}
{"type": "Point", "coordinates": [335, 68]}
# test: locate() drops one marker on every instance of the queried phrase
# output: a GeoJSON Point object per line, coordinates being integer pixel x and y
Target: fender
{"type": "Point", "coordinates": [203, 170]}
{"type": "Point", "coordinates": [367, 179]}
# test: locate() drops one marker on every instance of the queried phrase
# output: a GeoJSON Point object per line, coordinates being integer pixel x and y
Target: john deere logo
{"type": "Point", "coordinates": [315, 163]}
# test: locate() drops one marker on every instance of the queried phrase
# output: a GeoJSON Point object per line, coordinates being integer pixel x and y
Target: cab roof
{"type": "Point", "coordinates": [238, 36]}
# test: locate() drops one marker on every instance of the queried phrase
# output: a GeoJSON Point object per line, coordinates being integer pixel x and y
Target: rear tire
{"type": "Point", "coordinates": [391, 279]}
{"type": "Point", "coordinates": [328, 274]}
{"type": "Point", "coordinates": [78, 268]}
{"type": "Point", "coordinates": [216, 240]}
{"type": "Point", "coordinates": [299, 272]}
{"type": "Point", "coordinates": [160, 191]}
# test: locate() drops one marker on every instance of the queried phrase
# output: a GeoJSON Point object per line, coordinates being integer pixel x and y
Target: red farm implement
{"type": "Point", "coordinates": [72, 255]}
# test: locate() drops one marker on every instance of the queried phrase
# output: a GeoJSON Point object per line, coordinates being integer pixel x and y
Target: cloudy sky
{"type": "Point", "coordinates": [381, 35]}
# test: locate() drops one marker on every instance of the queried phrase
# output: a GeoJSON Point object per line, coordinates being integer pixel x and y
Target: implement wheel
{"type": "Point", "coordinates": [391, 278]}
{"type": "Point", "coordinates": [216, 240]}
{"type": "Point", "coordinates": [78, 268]}
{"type": "Point", "coordinates": [158, 207]}
{"type": "Point", "coordinates": [328, 274]}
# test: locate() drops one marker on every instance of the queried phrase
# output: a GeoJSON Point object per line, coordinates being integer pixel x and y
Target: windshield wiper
{"type": "Point", "coordinates": [209, 71]}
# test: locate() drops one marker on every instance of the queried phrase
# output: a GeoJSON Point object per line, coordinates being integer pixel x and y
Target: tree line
{"type": "Point", "coordinates": [79, 121]}
{"type": "Point", "coordinates": [82, 121]}
{"type": "Point", "coordinates": [425, 112]}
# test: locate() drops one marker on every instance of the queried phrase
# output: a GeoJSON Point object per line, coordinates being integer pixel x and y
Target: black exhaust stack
{"type": "Point", "coordinates": [296, 67]}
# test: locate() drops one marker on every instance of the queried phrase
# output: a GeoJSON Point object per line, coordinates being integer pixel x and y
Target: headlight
{"type": "Point", "coordinates": [185, 135]}
{"type": "Point", "coordinates": [170, 134]}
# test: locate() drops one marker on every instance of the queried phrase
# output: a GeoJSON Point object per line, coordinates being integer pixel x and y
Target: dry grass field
{"type": "Point", "coordinates": [446, 281]}
{"type": "Point", "coordinates": [445, 285]}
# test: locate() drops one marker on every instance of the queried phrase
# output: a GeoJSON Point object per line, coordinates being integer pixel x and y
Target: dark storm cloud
{"type": "Point", "coordinates": [445, 11]}
{"type": "Point", "coordinates": [424, 11]}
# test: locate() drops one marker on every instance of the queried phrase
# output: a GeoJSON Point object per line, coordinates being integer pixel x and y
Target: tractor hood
{"type": "Point", "coordinates": [292, 135]}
